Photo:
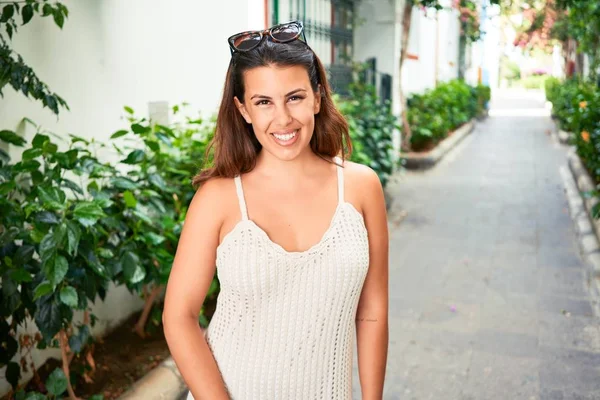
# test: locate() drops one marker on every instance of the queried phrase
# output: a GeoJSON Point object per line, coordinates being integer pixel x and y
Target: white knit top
{"type": "Point", "coordinates": [284, 323]}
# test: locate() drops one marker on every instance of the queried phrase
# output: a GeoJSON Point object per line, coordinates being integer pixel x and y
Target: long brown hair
{"type": "Point", "coordinates": [234, 144]}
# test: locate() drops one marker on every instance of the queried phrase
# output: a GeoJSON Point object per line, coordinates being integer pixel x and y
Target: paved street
{"type": "Point", "coordinates": [488, 298]}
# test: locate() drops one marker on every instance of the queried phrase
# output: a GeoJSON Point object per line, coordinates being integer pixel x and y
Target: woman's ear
{"type": "Point", "coordinates": [317, 107]}
{"type": "Point", "coordinates": [242, 108]}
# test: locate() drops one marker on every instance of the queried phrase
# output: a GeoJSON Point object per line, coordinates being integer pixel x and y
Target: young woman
{"type": "Point", "coordinates": [297, 235]}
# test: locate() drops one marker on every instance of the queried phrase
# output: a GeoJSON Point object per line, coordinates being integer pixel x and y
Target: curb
{"type": "Point", "coordinates": [576, 182]}
{"type": "Point", "coordinates": [563, 137]}
{"type": "Point", "coordinates": [164, 382]}
{"type": "Point", "coordinates": [414, 160]}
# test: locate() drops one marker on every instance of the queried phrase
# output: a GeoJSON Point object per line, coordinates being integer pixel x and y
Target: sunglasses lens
{"type": "Point", "coordinates": [246, 41]}
{"type": "Point", "coordinates": [286, 32]}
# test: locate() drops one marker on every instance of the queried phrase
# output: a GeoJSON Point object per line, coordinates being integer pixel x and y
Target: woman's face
{"type": "Point", "coordinates": [281, 106]}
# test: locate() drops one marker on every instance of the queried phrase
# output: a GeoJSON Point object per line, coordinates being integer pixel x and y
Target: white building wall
{"type": "Point", "coordinates": [448, 36]}
{"type": "Point", "coordinates": [419, 74]}
{"type": "Point", "coordinates": [113, 53]}
{"type": "Point", "coordinates": [375, 37]}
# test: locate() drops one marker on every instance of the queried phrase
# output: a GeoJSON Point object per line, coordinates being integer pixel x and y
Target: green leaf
{"type": "Point", "coordinates": [20, 275]}
{"type": "Point", "coordinates": [105, 253]}
{"type": "Point", "coordinates": [23, 254]}
{"type": "Point", "coordinates": [52, 198]}
{"type": "Point", "coordinates": [56, 269]}
{"type": "Point", "coordinates": [123, 183]}
{"type": "Point", "coordinates": [71, 185]}
{"type": "Point", "coordinates": [102, 199]}
{"type": "Point", "coordinates": [10, 136]}
{"type": "Point", "coordinates": [129, 110]}
{"type": "Point", "coordinates": [49, 148]}
{"type": "Point", "coordinates": [135, 157]}
{"type": "Point", "coordinates": [39, 140]}
{"type": "Point", "coordinates": [88, 213]}
{"type": "Point", "coordinates": [75, 139]}
{"type": "Point", "coordinates": [31, 153]}
{"type": "Point", "coordinates": [118, 134]}
{"type": "Point", "coordinates": [4, 156]}
{"type": "Point", "coordinates": [47, 247]}
{"type": "Point", "coordinates": [139, 129]}
{"type": "Point", "coordinates": [77, 342]}
{"type": "Point", "coordinates": [132, 270]}
{"type": "Point", "coordinates": [152, 145]}
{"type": "Point", "coordinates": [47, 217]}
{"type": "Point", "coordinates": [139, 212]}
{"type": "Point", "coordinates": [7, 12]}
{"type": "Point", "coordinates": [129, 198]}
{"type": "Point", "coordinates": [48, 316]}
{"type": "Point", "coordinates": [42, 289]}
{"type": "Point", "coordinates": [27, 13]}
{"type": "Point", "coordinates": [46, 10]}
{"type": "Point", "coordinates": [154, 239]}
{"type": "Point", "coordinates": [37, 236]}
{"type": "Point", "coordinates": [73, 237]}
{"type": "Point", "coordinates": [27, 166]}
{"type": "Point", "coordinates": [68, 295]}
{"type": "Point", "coordinates": [59, 18]}
{"type": "Point", "coordinates": [157, 181]}
{"type": "Point", "coordinates": [57, 382]}
{"type": "Point", "coordinates": [7, 187]}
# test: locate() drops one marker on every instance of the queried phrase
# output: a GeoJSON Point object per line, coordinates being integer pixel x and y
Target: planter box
{"type": "Point", "coordinates": [414, 160]}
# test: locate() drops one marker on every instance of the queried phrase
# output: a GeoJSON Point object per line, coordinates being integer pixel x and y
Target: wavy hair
{"type": "Point", "coordinates": [234, 143]}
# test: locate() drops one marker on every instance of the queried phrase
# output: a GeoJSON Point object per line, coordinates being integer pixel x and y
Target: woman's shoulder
{"type": "Point", "coordinates": [363, 186]}
{"type": "Point", "coordinates": [214, 194]}
{"type": "Point", "coordinates": [360, 175]}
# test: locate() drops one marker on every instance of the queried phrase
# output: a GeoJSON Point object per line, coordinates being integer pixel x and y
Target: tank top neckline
{"type": "Point", "coordinates": [315, 247]}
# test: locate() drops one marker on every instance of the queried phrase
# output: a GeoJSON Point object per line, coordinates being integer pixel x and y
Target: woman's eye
{"type": "Point", "coordinates": [265, 102]}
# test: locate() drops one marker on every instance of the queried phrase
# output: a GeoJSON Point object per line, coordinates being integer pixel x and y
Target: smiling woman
{"type": "Point", "coordinates": [297, 235]}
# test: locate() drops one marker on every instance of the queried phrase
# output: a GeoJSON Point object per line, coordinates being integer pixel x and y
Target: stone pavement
{"type": "Point", "coordinates": [488, 298]}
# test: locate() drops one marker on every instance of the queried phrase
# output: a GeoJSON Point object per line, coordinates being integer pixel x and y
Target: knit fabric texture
{"type": "Point", "coordinates": [284, 323]}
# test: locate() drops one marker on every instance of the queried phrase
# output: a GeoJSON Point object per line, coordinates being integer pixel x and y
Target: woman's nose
{"type": "Point", "coordinates": [283, 116]}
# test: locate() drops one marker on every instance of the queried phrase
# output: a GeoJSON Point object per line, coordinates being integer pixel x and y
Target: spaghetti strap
{"type": "Point", "coordinates": [240, 195]}
{"type": "Point", "coordinates": [340, 175]}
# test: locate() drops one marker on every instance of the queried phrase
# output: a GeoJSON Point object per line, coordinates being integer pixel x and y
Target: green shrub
{"type": "Point", "coordinates": [576, 106]}
{"type": "Point", "coordinates": [371, 126]}
{"type": "Point", "coordinates": [435, 113]}
{"type": "Point", "coordinates": [71, 224]}
{"type": "Point", "coordinates": [551, 86]}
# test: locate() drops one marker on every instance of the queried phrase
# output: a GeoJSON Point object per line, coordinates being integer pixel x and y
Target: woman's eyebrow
{"type": "Point", "coordinates": [262, 96]}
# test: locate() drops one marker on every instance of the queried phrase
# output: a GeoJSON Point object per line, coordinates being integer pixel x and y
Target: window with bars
{"type": "Point", "coordinates": [329, 33]}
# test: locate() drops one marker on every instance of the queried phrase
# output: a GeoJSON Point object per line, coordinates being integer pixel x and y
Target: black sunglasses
{"type": "Point", "coordinates": [281, 33]}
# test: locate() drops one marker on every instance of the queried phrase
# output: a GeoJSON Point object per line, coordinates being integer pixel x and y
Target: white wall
{"type": "Point", "coordinates": [448, 37]}
{"type": "Point", "coordinates": [113, 53]}
{"type": "Point", "coordinates": [420, 74]}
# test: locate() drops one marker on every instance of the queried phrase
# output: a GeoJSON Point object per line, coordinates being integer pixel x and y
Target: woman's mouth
{"type": "Point", "coordinates": [286, 138]}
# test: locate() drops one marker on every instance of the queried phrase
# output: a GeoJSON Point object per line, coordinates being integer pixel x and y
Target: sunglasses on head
{"type": "Point", "coordinates": [281, 33]}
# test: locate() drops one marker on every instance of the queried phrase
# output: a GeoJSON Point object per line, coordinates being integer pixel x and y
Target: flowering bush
{"type": "Point", "coordinates": [576, 106]}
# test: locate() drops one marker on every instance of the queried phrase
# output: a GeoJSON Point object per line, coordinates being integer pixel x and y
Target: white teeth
{"type": "Point", "coordinates": [286, 137]}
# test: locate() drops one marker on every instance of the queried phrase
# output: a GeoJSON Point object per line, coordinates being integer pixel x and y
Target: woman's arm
{"type": "Point", "coordinates": [372, 314]}
{"type": "Point", "coordinates": [189, 281]}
